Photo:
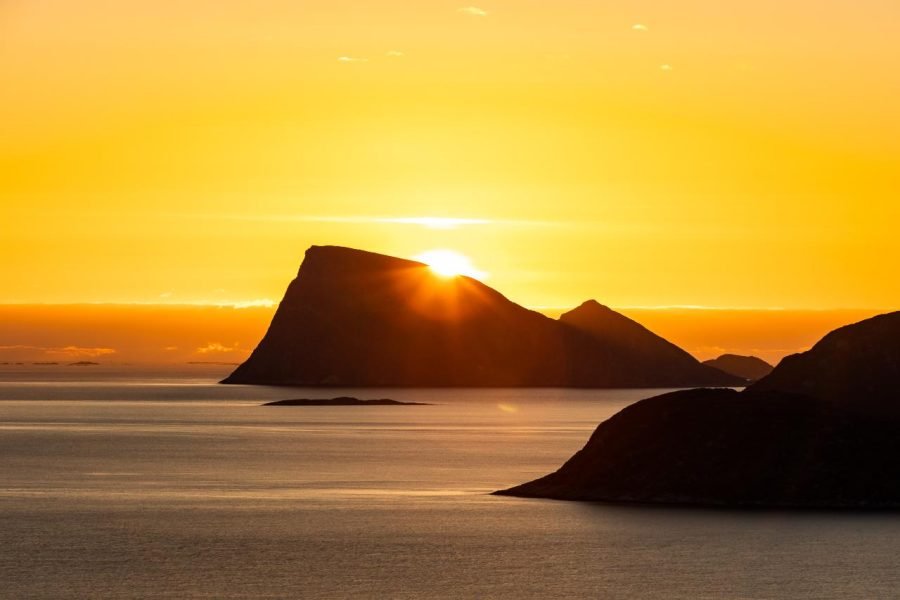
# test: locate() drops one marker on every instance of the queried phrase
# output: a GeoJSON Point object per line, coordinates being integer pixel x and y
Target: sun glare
{"type": "Point", "coordinates": [449, 263]}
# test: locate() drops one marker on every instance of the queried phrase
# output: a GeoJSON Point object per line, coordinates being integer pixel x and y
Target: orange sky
{"type": "Point", "coordinates": [172, 334]}
{"type": "Point", "coordinates": [644, 153]}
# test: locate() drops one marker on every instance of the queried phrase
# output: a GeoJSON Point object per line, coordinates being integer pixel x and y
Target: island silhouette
{"type": "Point", "coordinates": [822, 430]}
{"type": "Point", "coordinates": [358, 319]}
{"type": "Point", "coordinates": [342, 401]}
{"type": "Point", "coordinates": [750, 368]}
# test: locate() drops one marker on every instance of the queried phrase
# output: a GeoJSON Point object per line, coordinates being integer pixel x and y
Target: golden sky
{"type": "Point", "coordinates": [644, 153]}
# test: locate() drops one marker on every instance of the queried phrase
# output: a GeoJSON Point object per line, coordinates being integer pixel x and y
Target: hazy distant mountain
{"type": "Point", "coordinates": [750, 368]}
{"type": "Point", "coordinates": [765, 446]}
{"type": "Point", "coordinates": [354, 318]}
{"type": "Point", "coordinates": [626, 337]}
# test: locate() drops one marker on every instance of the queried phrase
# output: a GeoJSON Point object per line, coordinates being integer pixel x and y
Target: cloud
{"type": "Point", "coordinates": [639, 27]}
{"type": "Point", "coordinates": [424, 221]}
{"type": "Point", "coordinates": [394, 53]}
{"type": "Point", "coordinates": [259, 302]}
{"type": "Point", "coordinates": [216, 347]}
{"type": "Point", "coordinates": [62, 351]}
{"type": "Point", "coordinates": [473, 11]}
{"type": "Point", "coordinates": [429, 222]}
{"type": "Point", "coordinates": [251, 303]}
{"type": "Point", "coordinates": [78, 351]}
{"type": "Point", "coordinates": [352, 59]}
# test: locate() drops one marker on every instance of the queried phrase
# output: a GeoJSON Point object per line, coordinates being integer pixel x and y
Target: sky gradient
{"type": "Point", "coordinates": [643, 153]}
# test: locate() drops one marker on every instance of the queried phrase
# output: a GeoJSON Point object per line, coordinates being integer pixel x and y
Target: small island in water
{"type": "Point", "coordinates": [343, 401]}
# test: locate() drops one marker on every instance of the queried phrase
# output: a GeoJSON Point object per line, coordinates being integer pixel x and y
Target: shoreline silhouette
{"type": "Point", "coordinates": [821, 431]}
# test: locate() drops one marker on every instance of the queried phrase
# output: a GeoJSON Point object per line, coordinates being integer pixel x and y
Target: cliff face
{"type": "Point", "coordinates": [354, 318]}
{"type": "Point", "coordinates": [765, 446]}
{"type": "Point", "coordinates": [750, 368]}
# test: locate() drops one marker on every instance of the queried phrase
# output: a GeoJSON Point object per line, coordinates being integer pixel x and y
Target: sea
{"type": "Point", "coordinates": [130, 483]}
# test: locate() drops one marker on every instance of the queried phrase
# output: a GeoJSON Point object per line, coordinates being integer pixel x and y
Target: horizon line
{"type": "Point", "coordinates": [269, 303]}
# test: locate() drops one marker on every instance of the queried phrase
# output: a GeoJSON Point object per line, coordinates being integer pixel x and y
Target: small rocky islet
{"type": "Point", "coordinates": [342, 401]}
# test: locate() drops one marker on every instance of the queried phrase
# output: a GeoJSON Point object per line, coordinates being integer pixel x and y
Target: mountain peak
{"type": "Point", "coordinates": [342, 258]}
{"type": "Point", "coordinates": [591, 306]}
{"type": "Point", "coordinates": [623, 334]}
{"type": "Point", "coordinates": [599, 319]}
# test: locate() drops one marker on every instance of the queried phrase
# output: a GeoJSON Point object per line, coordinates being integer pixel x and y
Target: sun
{"type": "Point", "coordinates": [449, 263]}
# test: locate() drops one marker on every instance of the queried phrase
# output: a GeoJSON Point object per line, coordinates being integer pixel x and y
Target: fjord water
{"type": "Point", "coordinates": [118, 485]}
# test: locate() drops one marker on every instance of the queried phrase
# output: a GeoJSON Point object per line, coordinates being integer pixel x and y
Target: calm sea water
{"type": "Point", "coordinates": [161, 487]}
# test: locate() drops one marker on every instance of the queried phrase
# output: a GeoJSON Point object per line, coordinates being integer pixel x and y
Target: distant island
{"type": "Point", "coordinates": [84, 363]}
{"type": "Point", "coordinates": [358, 319]}
{"type": "Point", "coordinates": [822, 430]}
{"type": "Point", "coordinates": [750, 368]}
{"type": "Point", "coordinates": [343, 401]}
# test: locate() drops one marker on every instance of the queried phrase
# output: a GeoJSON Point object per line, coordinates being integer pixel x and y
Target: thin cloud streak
{"type": "Point", "coordinates": [423, 221]}
{"type": "Point", "coordinates": [432, 222]}
{"type": "Point", "coordinates": [63, 351]}
{"type": "Point", "coordinates": [473, 11]}
{"type": "Point", "coordinates": [217, 347]}
{"type": "Point", "coordinates": [235, 304]}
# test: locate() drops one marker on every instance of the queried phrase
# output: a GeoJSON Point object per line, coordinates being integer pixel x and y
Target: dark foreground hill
{"type": "Point", "coordinates": [354, 318]}
{"type": "Point", "coordinates": [750, 368]}
{"type": "Point", "coordinates": [854, 366]}
{"type": "Point", "coordinates": [765, 446]}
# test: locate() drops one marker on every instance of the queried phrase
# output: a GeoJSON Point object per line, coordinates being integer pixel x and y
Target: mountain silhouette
{"type": "Point", "coordinates": [626, 337]}
{"type": "Point", "coordinates": [355, 318]}
{"type": "Point", "coordinates": [750, 368]}
{"type": "Point", "coordinates": [854, 366]}
{"type": "Point", "coordinates": [766, 446]}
